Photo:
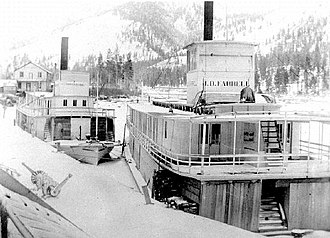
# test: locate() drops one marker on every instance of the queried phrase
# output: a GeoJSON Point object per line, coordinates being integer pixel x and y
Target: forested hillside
{"type": "Point", "coordinates": [300, 54]}
{"type": "Point", "coordinates": [141, 43]}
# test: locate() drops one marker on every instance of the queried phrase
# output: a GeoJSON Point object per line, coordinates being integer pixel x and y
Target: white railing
{"type": "Point", "coordinates": [65, 111]}
{"type": "Point", "coordinates": [303, 162]}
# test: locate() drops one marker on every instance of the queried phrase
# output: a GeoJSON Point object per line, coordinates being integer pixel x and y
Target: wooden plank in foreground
{"type": "Point", "coordinates": [33, 220]}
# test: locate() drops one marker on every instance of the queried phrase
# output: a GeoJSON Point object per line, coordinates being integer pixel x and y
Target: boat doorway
{"type": "Point", "coordinates": [272, 215]}
{"type": "Point", "coordinates": [62, 128]}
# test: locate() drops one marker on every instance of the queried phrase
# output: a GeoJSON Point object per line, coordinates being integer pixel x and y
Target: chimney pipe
{"type": "Point", "coordinates": [208, 20]}
{"type": "Point", "coordinates": [64, 53]}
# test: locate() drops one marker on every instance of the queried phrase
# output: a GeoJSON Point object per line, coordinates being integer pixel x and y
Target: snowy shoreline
{"type": "Point", "coordinates": [102, 200]}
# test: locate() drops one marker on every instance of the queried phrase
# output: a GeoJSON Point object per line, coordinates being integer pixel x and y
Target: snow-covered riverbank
{"type": "Point", "coordinates": [102, 200]}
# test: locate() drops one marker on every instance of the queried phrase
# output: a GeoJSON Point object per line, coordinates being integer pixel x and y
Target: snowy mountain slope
{"type": "Point", "coordinates": [153, 30]}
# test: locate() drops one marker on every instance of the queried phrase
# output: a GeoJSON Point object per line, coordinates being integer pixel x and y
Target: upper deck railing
{"type": "Point", "coordinates": [313, 159]}
{"type": "Point", "coordinates": [64, 111]}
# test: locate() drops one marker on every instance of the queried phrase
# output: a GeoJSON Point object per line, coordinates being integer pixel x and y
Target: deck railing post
{"type": "Point", "coordinates": [203, 147]}
{"type": "Point", "coordinates": [234, 142]}
{"type": "Point", "coordinates": [321, 141]}
{"type": "Point", "coordinates": [309, 141]}
{"type": "Point", "coordinates": [259, 139]}
{"type": "Point", "coordinates": [284, 141]}
{"type": "Point", "coordinates": [189, 145]}
{"type": "Point", "coordinates": [328, 158]}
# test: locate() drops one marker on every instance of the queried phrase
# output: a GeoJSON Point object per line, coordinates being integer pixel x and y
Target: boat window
{"type": "Point", "coordinates": [249, 131]}
{"type": "Point", "coordinates": [65, 102]}
{"type": "Point", "coordinates": [215, 133]}
{"type": "Point", "coordinates": [192, 59]}
{"type": "Point", "coordinates": [74, 102]}
{"type": "Point", "coordinates": [201, 134]}
{"type": "Point", "coordinates": [84, 103]}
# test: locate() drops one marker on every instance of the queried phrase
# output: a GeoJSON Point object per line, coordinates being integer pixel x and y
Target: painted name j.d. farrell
{"type": "Point", "coordinates": [220, 83]}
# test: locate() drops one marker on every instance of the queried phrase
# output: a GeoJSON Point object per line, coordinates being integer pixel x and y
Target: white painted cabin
{"type": "Point", "coordinates": [66, 113]}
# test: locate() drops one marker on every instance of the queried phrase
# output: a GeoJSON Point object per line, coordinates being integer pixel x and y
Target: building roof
{"type": "Point", "coordinates": [223, 42]}
{"type": "Point", "coordinates": [42, 68]}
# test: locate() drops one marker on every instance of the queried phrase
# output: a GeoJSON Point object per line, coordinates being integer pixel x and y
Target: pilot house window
{"type": "Point", "coordinates": [192, 59]}
{"type": "Point", "coordinates": [65, 102]}
{"type": "Point", "coordinates": [74, 102]}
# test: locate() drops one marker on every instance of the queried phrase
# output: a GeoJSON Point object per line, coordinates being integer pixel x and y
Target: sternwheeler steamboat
{"type": "Point", "coordinates": [247, 164]}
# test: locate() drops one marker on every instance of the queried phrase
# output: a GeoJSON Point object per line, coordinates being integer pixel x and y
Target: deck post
{"type": "Point", "coordinates": [203, 146]}
{"type": "Point", "coordinates": [309, 141]}
{"type": "Point", "coordinates": [53, 128]}
{"type": "Point", "coordinates": [189, 145]}
{"type": "Point", "coordinates": [259, 139]}
{"type": "Point", "coordinates": [328, 158]}
{"type": "Point", "coordinates": [284, 141]}
{"type": "Point", "coordinates": [321, 140]}
{"type": "Point", "coordinates": [234, 142]}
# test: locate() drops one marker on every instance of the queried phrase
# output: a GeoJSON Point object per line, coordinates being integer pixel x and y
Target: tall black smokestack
{"type": "Point", "coordinates": [208, 20]}
{"type": "Point", "coordinates": [64, 53]}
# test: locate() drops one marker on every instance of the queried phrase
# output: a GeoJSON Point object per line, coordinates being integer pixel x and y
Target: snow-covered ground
{"type": "Point", "coordinates": [103, 200]}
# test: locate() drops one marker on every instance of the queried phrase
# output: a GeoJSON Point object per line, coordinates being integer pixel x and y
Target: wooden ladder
{"type": "Point", "coordinates": [110, 136]}
{"type": "Point", "coordinates": [271, 138]}
{"type": "Point", "coordinates": [272, 220]}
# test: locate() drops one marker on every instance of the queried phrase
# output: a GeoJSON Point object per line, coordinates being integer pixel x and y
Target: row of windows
{"type": "Point", "coordinates": [21, 75]}
{"type": "Point", "coordinates": [74, 102]}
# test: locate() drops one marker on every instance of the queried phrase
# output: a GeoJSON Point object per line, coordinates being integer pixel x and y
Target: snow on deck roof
{"type": "Point", "coordinates": [247, 116]}
{"type": "Point", "coordinates": [41, 94]}
{"type": "Point", "coordinates": [160, 111]}
{"type": "Point", "coordinates": [220, 42]}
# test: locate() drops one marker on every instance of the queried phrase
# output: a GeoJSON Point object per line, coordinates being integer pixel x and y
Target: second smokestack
{"type": "Point", "coordinates": [64, 53]}
{"type": "Point", "coordinates": [208, 20]}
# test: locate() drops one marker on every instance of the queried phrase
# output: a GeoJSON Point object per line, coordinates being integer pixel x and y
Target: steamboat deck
{"type": "Point", "coordinates": [225, 160]}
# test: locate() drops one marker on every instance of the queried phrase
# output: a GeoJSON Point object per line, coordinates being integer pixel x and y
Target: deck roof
{"type": "Point", "coordinates": [251, 116]}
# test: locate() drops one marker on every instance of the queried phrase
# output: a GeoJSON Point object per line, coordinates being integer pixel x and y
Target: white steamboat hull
{"type": "Point", "coordinates": [90, 153]}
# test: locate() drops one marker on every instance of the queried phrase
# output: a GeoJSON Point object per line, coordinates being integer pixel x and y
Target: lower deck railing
{"type": "Point", "coordinates": [310, 159]}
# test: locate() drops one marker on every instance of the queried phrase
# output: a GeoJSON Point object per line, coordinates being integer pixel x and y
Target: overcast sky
{"type": "Point", "coordinates": [21, 18]}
